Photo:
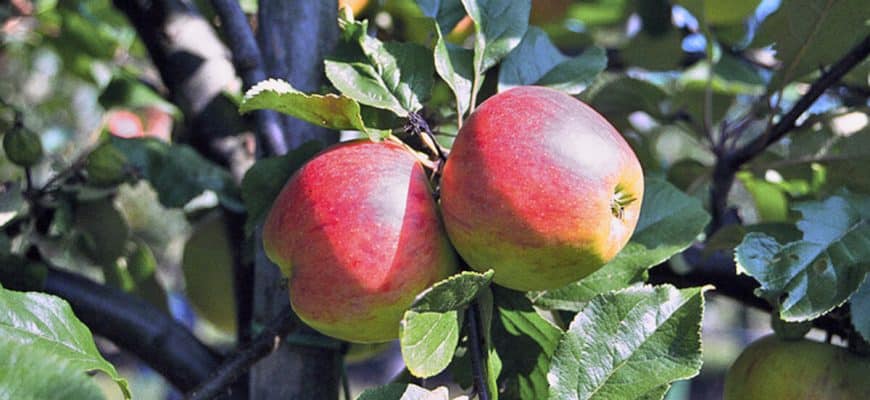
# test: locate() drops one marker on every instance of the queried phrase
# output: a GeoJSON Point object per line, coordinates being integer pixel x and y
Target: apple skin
{"type": "Point", "coordinates": [540, 188]}
{"type": "Point", "coordinates": [775, 369]}
{"type": "Point", "coordinates": [357, 232]}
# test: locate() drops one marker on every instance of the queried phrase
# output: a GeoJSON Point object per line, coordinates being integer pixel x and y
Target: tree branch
{"type": "Point", "coordinates": [787, 123]}
{"type": "Point", "coordinates": [249, 64]}
{"type": "Point", "coordinates": [136, 326]}
{"type": "Point", "coordinates": [728, 164]}
{"type": "Point", "coordinates": [478, 370]}
{"type": "Point", "coordinates": [239, 363]}
{"type": "Point", "coordinates": [295, 36]}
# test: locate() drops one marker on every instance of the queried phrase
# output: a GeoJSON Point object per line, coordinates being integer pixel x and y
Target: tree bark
{"type": "Point", "coordinates": [294, 37]}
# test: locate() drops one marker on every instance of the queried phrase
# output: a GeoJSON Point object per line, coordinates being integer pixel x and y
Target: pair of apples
{"type": "Point", "coordinates": [538, 187]}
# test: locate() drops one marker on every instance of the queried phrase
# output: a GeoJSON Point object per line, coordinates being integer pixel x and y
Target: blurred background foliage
{"type": "Point", "coordinates": [76, 74]}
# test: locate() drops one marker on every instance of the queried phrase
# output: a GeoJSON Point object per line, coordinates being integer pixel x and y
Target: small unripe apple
{"type": "Point", "coordinates": [776, 369]}
{"type": "Point", "coordinates": [357, 232]}
{"type": "Point", "coordinates": [540, 188]}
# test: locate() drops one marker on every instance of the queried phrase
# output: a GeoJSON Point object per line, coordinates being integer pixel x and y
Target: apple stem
{"type": "Point", "coordinates": [478, 372]}
{"type": "Point", "coordinates": [418, 125]}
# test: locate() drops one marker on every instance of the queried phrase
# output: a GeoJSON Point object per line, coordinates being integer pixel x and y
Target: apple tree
{"type": "Point", "coordinates": [532, 199]}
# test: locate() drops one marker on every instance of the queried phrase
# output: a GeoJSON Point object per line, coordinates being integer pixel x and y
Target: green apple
{"type": "Point", "coordinates": [357, 232]}
{"type": "Point", "coordinates": [776, 369]}
{"type": "Point", "coordinates": [540, 188]}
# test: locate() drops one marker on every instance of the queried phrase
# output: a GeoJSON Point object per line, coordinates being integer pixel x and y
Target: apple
{"type": "Point", "coordinates": [357, 232]}
{"type": "Point", "coordinates": [540, 188]}
{"type": "Point", "coordinates": [207, 263]}
{"type": "Point", "coordinates": [776, 369]}
{"type": "Point", "coordinates": [124, 124]}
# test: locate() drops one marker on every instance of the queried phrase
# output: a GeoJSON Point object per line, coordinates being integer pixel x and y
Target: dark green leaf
{"type": "Point", "coordinates": [429, 331]}
{"type": "Point", "coordinates": [859, 304]}
{"type": "Point", "coordinates": [810, 277]}
{"type": "Point", "coordinates": [525, 343]}
{"type": "Point", "coordinates": [669, 222]}
{"type": "Point", "coordinates": [626, 344]}
{"type": "Point", "coordinates": [392, 76]}
{"type": "Point", "coordinates": [500, 26]}
{"type": "Point", "coordinates": [454, 66]}
{"type": "Point", "coordinates": [622, 96]}
{"type": "Point", "coordinates": [177, 172]}
{"type": "Point", "coordinates": [265, 179]}
{"type": "Point", "coordinates": [537, 61]}
{"type": "Point", "coordinates": [446, 12]}
{"type": "Point", "coordinates": [45, 325]}
{"type": "Point", "coordinates": [813, 33]}
{"type": "Point", "coordinates": [716, 12]}
{"type": "Point", "coordinates": [452, 293]}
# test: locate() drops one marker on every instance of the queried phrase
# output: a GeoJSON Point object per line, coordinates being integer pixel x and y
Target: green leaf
{"type": "Point", "coordinates": [37, 374]}
{"type": "Point", "coordinates": [177, 172]}
{"type": "Point", "coordinates": [446, 13]}
{"type": "Point", "coordinates": [265, 179]}
{"type": "Point", "coordinates": [622, 96]}
{"type": "Point", "coordinates": [812, 33]}
{"type": "Point", "coordinates": [392, 76]}
{"type": "Point", "coordinates": [770, 200]}
{"type": "Point", "coordinates": [45, 325]}
{"type": "Point", "coordinates": [500, 27]}
{"type": "Point", "coordinates": [429, 331]}
{"type": "Point", "coordinates": [859, 305]}
{"type": "Point", "coordinates": [810, 277]}
{"type": "Point", "coordinates": [404, 391]}
{"type": "Point", "coordinates": [659, 52]}
{"type": "Point", "coordinates": [669, 222]}
{"type": "Point", "coordinates": [573, 75]}
{"type": "Point", "coordinates": [329, 111]}
{"type": "Point", "coordinates": [626, 344]}
{"type": "Point", "coordinates": [454, 66]}
{"type": "Point", "coordinates": [537, 61]}
{"type": "Point", "coordinates": [525, 343]}
{"type": "Point", "coordinates": [716, 12]}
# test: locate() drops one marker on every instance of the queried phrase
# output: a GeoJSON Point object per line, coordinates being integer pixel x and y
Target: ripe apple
{"type": "Point", "coordinates": [124, 124]}
{"type": "Point", "coordinates": [775, 369]}
{"type": "Point", "coordinates": [540, 188]}
{"type": "Point", "coordinates": [357, 232]}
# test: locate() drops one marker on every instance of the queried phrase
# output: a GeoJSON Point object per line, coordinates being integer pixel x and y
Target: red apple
{"type": "Point", "coordinates": [540, 188]}
{"type": "Point", "coordinates": [357, 232]}
{"type": "Point", "coordinates": [124, 124]}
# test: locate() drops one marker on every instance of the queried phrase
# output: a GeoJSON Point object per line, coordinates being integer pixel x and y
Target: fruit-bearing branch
{"type": "Point", "coordinates": [133, 324]}
{"type": "Point", "coordinates": [729, 163]}
{"type": "Point", "coordinates": [241, 361]}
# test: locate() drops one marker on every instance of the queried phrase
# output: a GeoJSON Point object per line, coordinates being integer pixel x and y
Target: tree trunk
{"type": "Point", "coordinates": [294, 36]}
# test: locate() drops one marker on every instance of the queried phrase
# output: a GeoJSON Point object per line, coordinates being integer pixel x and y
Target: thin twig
{"type": "Point", "coordinates": [728, 164]}
{"type": "Point", "coordinates": [478, 370]}
{"type": "Point", "coordinates": [787, 123]}
{"type": "Point", "coordinates": [239, 363]}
